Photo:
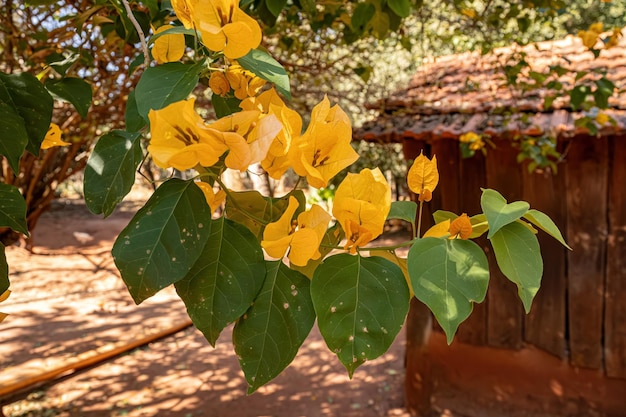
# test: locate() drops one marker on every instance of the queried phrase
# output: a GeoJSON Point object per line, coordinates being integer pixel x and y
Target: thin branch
{"type": "Point", "coordinates": [142, 37]}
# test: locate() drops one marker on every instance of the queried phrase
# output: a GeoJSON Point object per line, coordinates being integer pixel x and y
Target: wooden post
{"type": "Point", "coordinates": [586, 172]}
{"type": "Point", "coordinates": [615, 309]}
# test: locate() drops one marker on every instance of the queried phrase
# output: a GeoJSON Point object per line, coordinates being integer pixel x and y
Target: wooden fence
{"type": "Point", "coordinates": [579, 314]}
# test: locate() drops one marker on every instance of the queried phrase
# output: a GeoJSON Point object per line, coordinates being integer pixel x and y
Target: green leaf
{"type": "Point", "coordinates": [479, 225]}
{"type": "Point", "coordinates": [4, 270]}
{"type": "Point", "coordinates": [12, 209]}
{"type": "Point", "coordinates": [73, 90]}
{"type": "Point", "coordinates": [33, 104]}
{"type": "Point", "coordinates": [225, 106]}
{"type": "Point", "coordinates": [545, 223]}
{"type": "Point", "coordinates": [13, 133]}
{"type": "Point", "coordinates": [362, 15]}
{"type": "Point", "coordinates": [268, 336]}
{"type": "Point", "coordinates": [361, 304]}
{"type": "Point", "coordinates": [400, 7]}
{"type": "Point", "coordinates": [110, 170]}
{"type": "Point", "coordinates": [165, 84]}
{"type": "Point", "coordinates": [380, 23]}
{"type": "Point", "coordinates": [443, 215]}
{"type": "Point", "coordinates": [275, 6]}
{"type": "Point", "coordinates": [254, 211]}
{"type": "Point", "coordinates": [403, 210]}
{"type": "Point", "coordinates": [578, 95]}
{"type": "Point", "coordinates": [134, 121]}
{"type": "Point", "coordinates": [164, 239]}
{"type": "Point", "coordinates": [225, 279]}
{"type": "Point", "coordinates": [498, 212]}
{"type": "Point", "coordinates": [264, 66]}
{"type": "Point", "coordinates": [519, 258]}
{"type": "Point", "coordinates": [448, 276]}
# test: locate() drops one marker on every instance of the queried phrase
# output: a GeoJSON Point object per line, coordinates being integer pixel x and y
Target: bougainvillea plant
{"type": "Point", "coordinates": [273, 266]}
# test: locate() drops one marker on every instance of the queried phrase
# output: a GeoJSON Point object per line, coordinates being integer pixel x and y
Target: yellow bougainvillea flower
{"type": "Point", "coordinates": [324, 148]}
{"type": "Point", "coordinates": [276, 162]}
{"type": "Point", "coordinates": [219, 83]}
{"type": "Point", "coordinates": [590, 37]}
{"type": "Point", "coordinates": [168, 48]}
{"type": "Point", "coordinates": [301, 237]}
{"type": "Point", "coordinates": [182, 8]}
{"type": "Point", "coordinates": [244, 83]}
{"type": "Point", "coordinates": [441, 229]}
{"type": "Point", "coordinates": [213, 199]}
{"type": "Point", "coordinates": [423, 177]}
{"type": "Point", "coordinates": [53, 137]}
{"type": "Point", "coordinates": [602, 118]}
{"type": "Point", "coordinates": [3, 297]}
{"type": "Point", "coordinates": [614, 39]}
{"type": "Point", "coordinates": [223, 26]}
{"type": "Point", "coordinates": [461, 227]}
{"type": "Point", "coordinates": [247, 135]}
{"type": "Point", "coordinates": [181, 140]}
{"type": "Point", "coordinates": [362, 203]}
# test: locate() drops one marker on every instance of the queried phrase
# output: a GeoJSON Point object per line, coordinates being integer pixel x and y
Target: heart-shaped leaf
{"type": "Point", "coordinates": [519, 258]}
{"type": "Point", "coordinates": [545, 223]}
{"type": "Point", "coordinates": [448, 276]}
{"type": "Point", "coordinates": [12, 209]}
{"type": "Point", "coordinates": [361, 304]}
{"type": "Point", "coordinates": [225, 279]}
{"type": "Point", "coordinates": [403, 210]}
{"type": "Point", "coordinates": [268, 336]}
{"type": "Point", "coordinates": [165, 84]}
{"type": "Point", "coordinates": [263, 65]}
{"type": "Point", "coordinates": [73, 90]}
{"type": "Point", "coordinates": [110, 171]}
{"type": "Point", "coordinates": [32, 102]}
{"type": "Point", "coordinates": [164, 239]}
{"type": "Point", "coordinates": [498, 212]}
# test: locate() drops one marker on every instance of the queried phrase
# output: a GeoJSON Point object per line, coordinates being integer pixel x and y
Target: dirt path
{"type": "Point", "coordinates": [68, 299]}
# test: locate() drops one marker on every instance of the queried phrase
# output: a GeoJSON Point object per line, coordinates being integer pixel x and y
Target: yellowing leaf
{"type": "Point", "coordinates": [439, 230]}
{"type": "Point", "coordinates": [168, 48]}
{"type": "Point", "coordinates": [461, 227]}
{"type": "Point", "coordinates": [3, 297]}
{"type": "Point", "coordinates": [423, 177]}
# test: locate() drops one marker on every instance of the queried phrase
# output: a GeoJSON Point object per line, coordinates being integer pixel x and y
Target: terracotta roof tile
{"type": "Point", "coordinates": [467, 92]}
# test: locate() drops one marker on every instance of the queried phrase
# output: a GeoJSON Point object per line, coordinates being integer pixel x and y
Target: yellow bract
{"type": "Point", "coordinates": [301, 237]}
{"type": "Point", "coordinates": [423, 177]}
{"type": "Point", "coordinates": [324, 148]}
{"type": "Point", "coordinates": [219, 83]}
{"type": "Point", "coordinates": [213, 199]}
{"type": "Point", "coordinates": [53, 137]}
{"type": "Point", "coordinates": [461, 227]}
{"type": "Point", "coordinates": [441, 229]}
{"type": "Point", "coordinates": [3, 297]}
{"type": "Point", "coordinates": [223, 26]}
{"type": "Point", "coordinates": [590, 37]}
{"type": "Point", "coordinates": [276, 162]}
{"type": "Point", "coordinates": [245, 83]}
{"type": "Point", "coordinates": [362, 202]}
{"type": "Point", "coordinates": [248, 135]}
{"type": "Point", "coordinates": [168, 48]}
{"type": "Point", "coordinates": [181, 140]}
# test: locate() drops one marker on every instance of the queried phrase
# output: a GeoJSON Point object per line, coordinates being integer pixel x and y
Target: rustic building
{"type": "Point", "coordinates": [568, 356]}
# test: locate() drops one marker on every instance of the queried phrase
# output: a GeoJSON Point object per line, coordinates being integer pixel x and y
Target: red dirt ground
{"type": "Point", "coordinates": [68, 299]}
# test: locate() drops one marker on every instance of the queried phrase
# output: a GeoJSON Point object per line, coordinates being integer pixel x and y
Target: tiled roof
{"type": "Point", "coordinates": [469, 92]}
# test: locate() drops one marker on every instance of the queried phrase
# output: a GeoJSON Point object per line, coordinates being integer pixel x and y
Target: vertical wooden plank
{"type": "Point", "coordinates": [504, 319]}
{"type": "Point", "coordinates": [586, 182]}
{"type": "Point", "coordinates": [544, 326]}
{"type": "Point", "coordinates": [615, 309]}
{"type": "Point", "coordinates": [473, 176]}
{"type": "Point", "coordinates": [418, 383]}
